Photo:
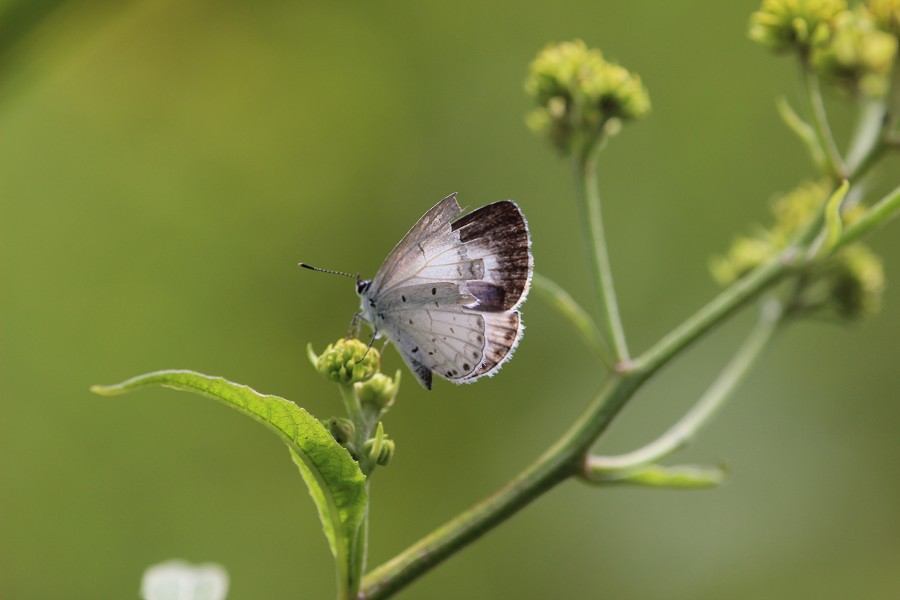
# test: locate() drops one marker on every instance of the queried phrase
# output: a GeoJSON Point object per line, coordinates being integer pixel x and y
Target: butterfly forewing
{"type": "Point", "coordinates": [498, 235]}
{"type": "Point", "coordinates": [431, 234]}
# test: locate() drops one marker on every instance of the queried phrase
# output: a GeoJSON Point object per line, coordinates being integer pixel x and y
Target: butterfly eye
{"type": "Point", "coordinates": [362, 286]}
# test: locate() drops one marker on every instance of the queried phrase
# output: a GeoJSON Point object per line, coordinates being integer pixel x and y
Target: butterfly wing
{"type": "Point", "coordinates": [447, 296]}
{"type": "Point", "coordinates": [429, 236]}
{"type": "Point", "coordinates": [433, 330]}
{"type": "Point", "coordinates": [498, 235]}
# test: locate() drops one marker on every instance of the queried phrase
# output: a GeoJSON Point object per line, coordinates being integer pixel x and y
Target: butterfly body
{"type": "Point", "coordinates": [448, 294]}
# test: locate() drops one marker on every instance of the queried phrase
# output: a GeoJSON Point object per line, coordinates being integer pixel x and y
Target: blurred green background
{"type": "Point", "coordinates": [165, 165]}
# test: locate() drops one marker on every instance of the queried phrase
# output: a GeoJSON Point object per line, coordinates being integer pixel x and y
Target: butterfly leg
{"type": "Point", "coordinates": [353, 330]}
{"type": "Point", "coordinates": [371, 343]}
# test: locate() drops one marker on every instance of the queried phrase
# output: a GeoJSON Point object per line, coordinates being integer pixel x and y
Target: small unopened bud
{"type": "Point", "coordinates": [380, 448]}
{"type": "Point", "coordinates": [348, 361]}
{"type": "Point", "coordinates": [381, 453]}
{"type": "Point", "coordinates": [745, 254]}
{"type": "Point", "coordinates": [857, 282]}
{"type": "Point", "coordinates": [792, 212]}
{"type": "Point", "coordinates": [379, 391]}
{"type": "Point", "coordinates": [342, 430]}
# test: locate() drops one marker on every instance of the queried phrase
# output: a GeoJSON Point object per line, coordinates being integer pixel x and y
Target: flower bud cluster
{"type": "Point", "coordinates": [785, 25]}
{"type": "Point", "coordinates": [859, 56]}
{"type": "Point", "coordinates": [367, 393]}
{"type": "Point", "coordinates": [886, 14]}
{"type": "Point", "coordinates": [579, 95]}
{"type": "Point", "coordinates": [348, 361]}
{"type": "Point", "coordinates": [849, 283]}
{"type": "Point", "coordinates": [854, 48]}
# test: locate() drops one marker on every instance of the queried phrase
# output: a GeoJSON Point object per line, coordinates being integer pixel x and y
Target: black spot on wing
{"type": "Point", "coordinates": [498, 230]}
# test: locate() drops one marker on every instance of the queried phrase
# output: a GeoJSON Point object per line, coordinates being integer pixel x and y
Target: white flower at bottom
{"type": "Point", "coordinates": [179, 580]}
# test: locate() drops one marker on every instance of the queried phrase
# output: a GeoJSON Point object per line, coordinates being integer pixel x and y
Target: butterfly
{"type": "Point", "coordinates": [448, 294]}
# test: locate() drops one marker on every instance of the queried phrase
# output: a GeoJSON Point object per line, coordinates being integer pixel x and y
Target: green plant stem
{"type": "Point", "coordinates": [588, 193]}
{"type": "Point", "coordinates": [722, 306]}
{"type": "Point", "coordinates": [360, 553]}
{"type": "Point", "coordinates": [867, 144]}
{"type": "Point", "coordinates": [833, 161]}
{"type": "Point", "coordinates": [348, 586]}
{"type": "Point", "coordinates": [565, 305]}
{"type": "Point", "coordinates": [686, 429]}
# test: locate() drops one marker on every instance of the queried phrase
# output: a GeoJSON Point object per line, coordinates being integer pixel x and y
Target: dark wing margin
{"type": "Point", "coordinates": [498, 234]}
{"type": "Point", "coordinates": [503, 332]}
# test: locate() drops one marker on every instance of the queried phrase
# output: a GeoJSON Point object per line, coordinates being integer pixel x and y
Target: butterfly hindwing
{"type": "Point", "coordinates": [431, 326]}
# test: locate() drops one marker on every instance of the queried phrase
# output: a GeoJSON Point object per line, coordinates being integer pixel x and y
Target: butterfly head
{"type": "Point", "coordinates": [362, 285]}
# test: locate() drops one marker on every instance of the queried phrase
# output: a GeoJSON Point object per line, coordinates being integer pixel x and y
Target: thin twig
{"type": "Point", "coordinates": [595, 236]}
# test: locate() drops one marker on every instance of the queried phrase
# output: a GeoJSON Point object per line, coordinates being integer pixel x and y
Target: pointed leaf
{"type": "Point", "coordinates": [336, 484]}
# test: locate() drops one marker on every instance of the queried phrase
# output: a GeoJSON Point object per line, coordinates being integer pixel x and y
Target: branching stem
{"type": "Point", "coordinates": [686, 429]}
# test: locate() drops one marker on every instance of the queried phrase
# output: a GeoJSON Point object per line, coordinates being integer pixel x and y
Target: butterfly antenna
{"type": "Point", "coordinates": [312, 268]}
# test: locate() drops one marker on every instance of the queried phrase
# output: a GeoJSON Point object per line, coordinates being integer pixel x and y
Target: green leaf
{"type": "Point", "coordinates": [833, 223]}
{"type": "Point", "coordinates": [335, 482]}
{"type": "Point", "coordinates": [675, 477]}
{"type": "Point", "coordinates": [558, 298]}
{"type": "Point", "coordinates": [802, 129]}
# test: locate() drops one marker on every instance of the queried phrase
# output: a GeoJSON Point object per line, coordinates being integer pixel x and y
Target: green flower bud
{"type": "Point", "coordinates": [856, 279]}
{"type": "Point", "coordinates": [886, 14]}
{"type": "Point", "coordinates": [342, 430]}
{"type": "Point", "coordinates": [795, 24]}
{"type": "Point", "coordinates": [379, 391]}
{"type": "Point", "coordinates": [348, 361]}
{"type": "Point", "coordinates": [745, 254]}
{"type": "Point", "coordinates": [859, 56]}
{"type": "Point", "coordinates": [792, 212]}
{"type": "Point", "coordinates": [382, 452]}
{"type": "Point", "coordinates": [578, 92]}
